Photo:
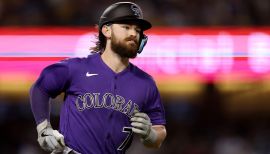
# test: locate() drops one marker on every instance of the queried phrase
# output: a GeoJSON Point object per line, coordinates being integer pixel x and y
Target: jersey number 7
{"type": "Point", "coordinates": [127, 141]}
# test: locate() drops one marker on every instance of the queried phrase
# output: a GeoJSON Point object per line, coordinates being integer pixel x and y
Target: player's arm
{"type": "Point", "coordinates": [151, 136]}
{"type": "Point", "coordinates": [49, 85]}
{"type": "Point", "coordinates": [161, 134]}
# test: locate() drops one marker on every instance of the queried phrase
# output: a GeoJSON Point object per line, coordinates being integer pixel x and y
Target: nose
{"type": "Point", "coordinates": [133, 31]}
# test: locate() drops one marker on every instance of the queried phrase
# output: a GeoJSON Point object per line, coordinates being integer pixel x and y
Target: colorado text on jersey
{"type": "Point", "coordinates": [109, 101]}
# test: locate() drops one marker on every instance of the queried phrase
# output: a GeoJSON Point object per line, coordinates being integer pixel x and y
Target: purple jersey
{"type": "Point", "coordinates": [98, 104]}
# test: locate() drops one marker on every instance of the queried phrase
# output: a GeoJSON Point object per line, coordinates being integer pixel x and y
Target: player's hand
{"type": "Point", "coordinates": [142, 125]}
{"type": "Point", "coordinates": [49, 139]}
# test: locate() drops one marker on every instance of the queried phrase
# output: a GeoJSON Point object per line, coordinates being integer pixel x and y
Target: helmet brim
{"type": "Point", "coordinates": [144, 24]}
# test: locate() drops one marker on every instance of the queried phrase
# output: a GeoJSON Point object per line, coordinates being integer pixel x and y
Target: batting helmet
{"type": "Point", "coordinates": [124, 12]}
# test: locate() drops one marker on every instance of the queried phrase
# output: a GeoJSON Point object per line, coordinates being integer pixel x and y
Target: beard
{"type": "Point", "coordinates": [124, 49]}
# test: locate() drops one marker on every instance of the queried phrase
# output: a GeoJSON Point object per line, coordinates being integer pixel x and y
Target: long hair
{"type": "Point", "coordinates": [100, 43]}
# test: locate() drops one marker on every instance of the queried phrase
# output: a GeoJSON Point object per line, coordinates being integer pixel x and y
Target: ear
{"type": "Point", "coordinates": [106, 31]}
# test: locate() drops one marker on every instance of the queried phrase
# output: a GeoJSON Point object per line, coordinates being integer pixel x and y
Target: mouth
{"type": "Point", "coordinates": [132, 42]}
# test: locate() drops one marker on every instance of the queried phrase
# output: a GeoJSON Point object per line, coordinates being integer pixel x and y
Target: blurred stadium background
{"type": "Point", "coordinates": [210, 59]}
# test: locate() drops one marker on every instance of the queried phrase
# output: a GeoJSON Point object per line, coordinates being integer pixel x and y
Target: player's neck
{"type": "Point", "coordinates": [114, 61]}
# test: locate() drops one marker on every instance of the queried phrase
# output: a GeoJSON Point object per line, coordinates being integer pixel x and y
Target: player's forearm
{"type": "Point", "coordinates": [39, 104]}
{"type": "Point", "coordinates": [160, 132]}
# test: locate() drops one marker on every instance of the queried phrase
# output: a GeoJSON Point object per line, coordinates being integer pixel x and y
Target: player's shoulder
{"type": "Point", "coordinates": [79, 60]}
{"type": "Point", "coordinates": [70, 64]}
{"type": "Point", "coordinates": [142, 74]}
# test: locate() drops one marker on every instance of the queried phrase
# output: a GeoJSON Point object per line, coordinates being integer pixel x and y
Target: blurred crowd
{"type": "Point", "coordinates": [159, 12]}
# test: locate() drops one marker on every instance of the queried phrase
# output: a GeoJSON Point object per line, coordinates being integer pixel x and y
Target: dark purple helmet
{"type": "Point", "coordinates": [124, 12]}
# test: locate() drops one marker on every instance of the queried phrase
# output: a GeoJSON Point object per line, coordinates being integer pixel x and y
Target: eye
{"type": "Point", "coordinates": [126, 27]}
{"type": "Point", "coordinates": [138, 30]}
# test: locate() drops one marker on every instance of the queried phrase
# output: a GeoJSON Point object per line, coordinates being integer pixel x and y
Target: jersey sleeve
{"type": "Point", "coordinates": [154, 107]}
{"type": "Point", "coordinates": [51, 82]}
{"type": "Point", "coordinates": [39, 104]}
{"type": "Point", "coordinates": [54, 79]}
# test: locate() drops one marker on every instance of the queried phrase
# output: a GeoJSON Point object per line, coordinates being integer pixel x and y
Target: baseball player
{"type": "Point", "coordinates": [107, 98]}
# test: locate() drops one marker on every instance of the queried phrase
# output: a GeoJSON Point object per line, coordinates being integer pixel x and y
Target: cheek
{"type": "Point", "coordinates": [120, 36]}
{"type": "Point", "coordinates": [116, 37]}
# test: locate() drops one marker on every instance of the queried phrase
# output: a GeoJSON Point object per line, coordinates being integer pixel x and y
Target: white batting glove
{"type": "Point", "coordinates": [142, 126]}
{"type": "Point", "coordinates": [49, 139]}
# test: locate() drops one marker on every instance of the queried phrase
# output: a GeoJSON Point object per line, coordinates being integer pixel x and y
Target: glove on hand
{"type": "Point", "coordinates": [49, 139]}
{"type": "Point", "coordinates": [142, 125]}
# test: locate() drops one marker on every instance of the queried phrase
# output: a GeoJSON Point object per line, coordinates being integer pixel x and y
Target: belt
{"type": "Point", "coordinates": [67, 150]}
